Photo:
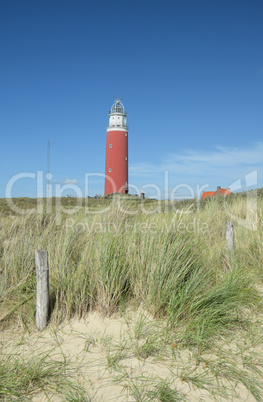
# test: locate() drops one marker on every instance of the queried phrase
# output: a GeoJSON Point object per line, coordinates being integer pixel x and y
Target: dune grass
{"type": "Point", "coordinates": [174, 263]}
{"type": "Point", "coordinates": [170, 258]}
{"type": "Point", "coordinates": [25, 376]}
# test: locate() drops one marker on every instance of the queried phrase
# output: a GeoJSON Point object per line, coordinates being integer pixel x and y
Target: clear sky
{"type": "Point", "coordinates": [190, 74]}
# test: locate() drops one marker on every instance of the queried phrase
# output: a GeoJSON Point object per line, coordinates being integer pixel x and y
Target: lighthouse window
{"type": "Point", "coordinates": [126, 158]}
{"type": "Point", "coordinates": [109, 169]}
{"type": "Point", "coordinates": [125, 134]}
{"type": "Point", "coordinates": [110, 145]}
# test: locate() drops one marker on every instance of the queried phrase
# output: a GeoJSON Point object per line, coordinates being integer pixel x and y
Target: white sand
{"type": "Point", "coordinates": [90, 346]}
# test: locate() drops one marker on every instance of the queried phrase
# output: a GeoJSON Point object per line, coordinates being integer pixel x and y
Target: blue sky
{"type": "Point", "coordinates": [190, 74]}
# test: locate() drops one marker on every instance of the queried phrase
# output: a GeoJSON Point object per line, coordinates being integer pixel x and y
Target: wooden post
{"type": "Point", "coordinates": [230, 239]}
{"type": "Point", "coordinates": [42, 271]}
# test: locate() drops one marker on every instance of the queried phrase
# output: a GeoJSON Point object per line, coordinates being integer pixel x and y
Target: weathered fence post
{"type": "Point", "coordinates": [230, 239]}
{"type": "Point", "coordinates": [42, 271]}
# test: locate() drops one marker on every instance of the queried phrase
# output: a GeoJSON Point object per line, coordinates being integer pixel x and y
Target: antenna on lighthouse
{"type": "Point", "coordinates": [117, 99]}
{"type": "Point", "coordinates": [48, 174]}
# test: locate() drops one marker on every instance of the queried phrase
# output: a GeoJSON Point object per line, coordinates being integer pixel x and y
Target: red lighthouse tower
{"type": "Point", "coordinates": [116, 167]}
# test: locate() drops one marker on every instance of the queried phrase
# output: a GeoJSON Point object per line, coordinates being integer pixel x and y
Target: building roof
{"type": "Point", "coordinates": [207, 194]}
{"type": "Point", "coordinates": [219, 191]}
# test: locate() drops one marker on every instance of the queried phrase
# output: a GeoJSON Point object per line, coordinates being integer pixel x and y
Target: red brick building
{"type": "Point", "coordinates": [218, 192]}
{"type": "Point", "coordinates": [116, 166]}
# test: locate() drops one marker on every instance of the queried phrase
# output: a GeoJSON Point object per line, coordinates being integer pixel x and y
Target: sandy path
{"type": "Point", "coordinates": [104, 357]}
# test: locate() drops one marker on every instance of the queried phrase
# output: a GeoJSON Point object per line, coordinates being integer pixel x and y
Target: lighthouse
{"type": "Point", "coordinates": [116, 165]}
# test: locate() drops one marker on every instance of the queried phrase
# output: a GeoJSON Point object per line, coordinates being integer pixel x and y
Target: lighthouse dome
{"type": "Point", "coordinates": [117, 116]}
{"type": "Point", "coordinates": [117, 107]}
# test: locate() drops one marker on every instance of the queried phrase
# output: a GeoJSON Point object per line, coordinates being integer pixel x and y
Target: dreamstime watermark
{"type": "Point", "coordinates": [54, 193]}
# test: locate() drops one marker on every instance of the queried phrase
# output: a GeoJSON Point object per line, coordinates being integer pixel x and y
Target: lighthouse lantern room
{"type": "Point", "coordinates": [116, 166]}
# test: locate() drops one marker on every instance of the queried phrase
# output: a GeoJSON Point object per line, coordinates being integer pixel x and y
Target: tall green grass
{"type": "Point", "coordinates": [171, 260]}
